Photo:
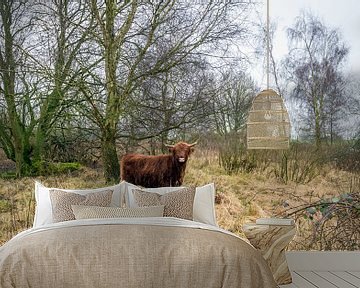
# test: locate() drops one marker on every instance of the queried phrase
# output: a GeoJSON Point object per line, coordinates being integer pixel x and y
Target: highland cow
{"type": "Point", "coordinates": [157, 171]}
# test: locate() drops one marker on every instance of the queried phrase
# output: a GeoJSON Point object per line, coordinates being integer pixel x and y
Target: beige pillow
{"type": "Point", "coordinates": [177, 204]}
{"type": "Point", "coordinates": [91, 212]}
{"type": "Point", "coordinates": [61, 202]}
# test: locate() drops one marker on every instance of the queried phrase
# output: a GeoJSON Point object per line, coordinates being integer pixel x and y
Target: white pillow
{"type": "Point", "coordinates": [204, 204]}
{"type": "Point", "coordinates": [43, 210]}
{"type": "Point", "coordinates": [204, 201]}
{"type": "Point", "coordinates": [94, 212]}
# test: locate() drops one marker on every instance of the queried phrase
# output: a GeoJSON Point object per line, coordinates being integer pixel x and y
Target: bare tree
{"type": "Point", "coordinates": [232, 102]}
{"type": "Point", "coordinates": [352, 109]}
{"type": "Point", "coordinates": [335, 107]}
{"type": "Point", "coordinates": [63, 28]}
{"type": "Point", "coordinates": [40, 42]}
{"type": "Point", "coordinates": [314, 67]}
{"type": "Point", "coordinates": [60, 58]}
{"type": "Point", "coordinates": [168, 103]}
{"type": "Point", "coordinates": [127, 34]}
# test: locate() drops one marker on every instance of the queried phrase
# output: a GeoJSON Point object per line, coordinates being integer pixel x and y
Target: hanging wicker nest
{"type": "Point", "coordinates": [268, 125]}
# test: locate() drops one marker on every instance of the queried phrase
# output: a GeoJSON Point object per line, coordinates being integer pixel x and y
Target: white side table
{"type": "Point", "coordinates": [271, 236]}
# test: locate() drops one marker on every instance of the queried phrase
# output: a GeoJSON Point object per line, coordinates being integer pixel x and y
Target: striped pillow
{"type": "Point", "coordinates": [93, 212]}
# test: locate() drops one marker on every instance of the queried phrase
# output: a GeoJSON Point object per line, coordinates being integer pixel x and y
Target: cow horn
{"type": "Point", "coordinates": [169, 146]}
{"type": "Point", "coordinates": [193, 144]}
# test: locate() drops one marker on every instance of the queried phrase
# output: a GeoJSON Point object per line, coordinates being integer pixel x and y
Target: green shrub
{"type": "Point", "coordinates": [49, 168]}
{"type": "Point", "coordinates": [66, 167]}
{"type": "Point", "coordinates": [8, 175]}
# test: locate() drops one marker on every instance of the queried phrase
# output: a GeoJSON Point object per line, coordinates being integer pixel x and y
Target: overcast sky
{"type": "Point", "coordinates": [341, 14]}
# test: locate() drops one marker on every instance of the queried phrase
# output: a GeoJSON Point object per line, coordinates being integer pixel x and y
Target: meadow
{"type": "Point", "coordinates": [323, 196]}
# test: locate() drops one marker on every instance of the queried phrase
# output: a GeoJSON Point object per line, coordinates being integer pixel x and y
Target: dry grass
{"type": "Point", "coordinates": [17, 200]}
{"type": "Point", "coordinates": [241, 197]}
{"type": "Point", "coordinates": [244, 197]}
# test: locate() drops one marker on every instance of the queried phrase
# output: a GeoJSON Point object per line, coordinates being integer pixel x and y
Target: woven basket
{"type": "Point", "coordinates": [268, 125]}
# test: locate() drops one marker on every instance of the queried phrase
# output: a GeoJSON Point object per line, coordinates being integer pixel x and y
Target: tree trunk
{"type": "Point", "coordinates": [19, 155]}
{"type": "Point", "coordinates": [317, 108]}
{"type": "Point", "coordinates": [8, 66]}
{"type": "Point", "coordinates": [22, 156]}
{"type": "Point", "coordinates": [109, 157]}
{"type": "Point", "coordinates": [48, 112]}
{"type": "Point", "coordinates": [317, 131]}
{"type": "Point", "coordinates": [331, 131]}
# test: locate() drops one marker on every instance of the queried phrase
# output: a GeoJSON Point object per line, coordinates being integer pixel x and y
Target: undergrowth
{"type": "Point", "coordinates": [249, 185]}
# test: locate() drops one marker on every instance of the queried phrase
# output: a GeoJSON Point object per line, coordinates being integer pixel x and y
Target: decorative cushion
{"type": "Point", "coordinates": [204, 205]}
{"type": "Point", "coordinates": [61, 202]}
{"type": "Point", "coordinates": [204, 201]}
{"type": "Point", "coordinates": [43, 211]}
{"type": "Point", "coordinates": [177, 203]}
{"type": "Point", "coordinates": [90, 212]}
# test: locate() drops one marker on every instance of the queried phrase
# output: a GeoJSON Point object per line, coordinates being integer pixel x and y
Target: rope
{"type": "Point", "coordinates": [268, 46]}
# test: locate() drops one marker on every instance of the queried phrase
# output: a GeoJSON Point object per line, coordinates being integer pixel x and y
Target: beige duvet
{"type": "Point", "coordinates": [118, 253]}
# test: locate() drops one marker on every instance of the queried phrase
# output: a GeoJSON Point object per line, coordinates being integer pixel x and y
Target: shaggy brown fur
{"type": "Point", "coordinates": [157, 171]}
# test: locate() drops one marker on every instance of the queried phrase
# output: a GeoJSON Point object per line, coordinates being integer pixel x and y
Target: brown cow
{"type": "Point", "coordinates": [157, 171]}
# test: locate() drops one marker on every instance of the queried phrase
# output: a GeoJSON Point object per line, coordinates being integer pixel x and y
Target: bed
{"type": "Point", "coordinates": [132, 251]}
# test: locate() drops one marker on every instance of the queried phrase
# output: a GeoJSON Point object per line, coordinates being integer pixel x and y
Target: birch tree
{"type": "Point", "coordinates": [314, 66]}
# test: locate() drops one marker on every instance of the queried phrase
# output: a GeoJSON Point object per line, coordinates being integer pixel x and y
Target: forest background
{"type": "Point", "coordinates": [83, 82]}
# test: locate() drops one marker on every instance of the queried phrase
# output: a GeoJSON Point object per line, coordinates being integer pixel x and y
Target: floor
{"type": "Point", "coordinates": [324, 269]}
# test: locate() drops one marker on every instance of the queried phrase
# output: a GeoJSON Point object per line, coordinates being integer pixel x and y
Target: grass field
{"type": "Point", "coordinates": [240, 196]}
